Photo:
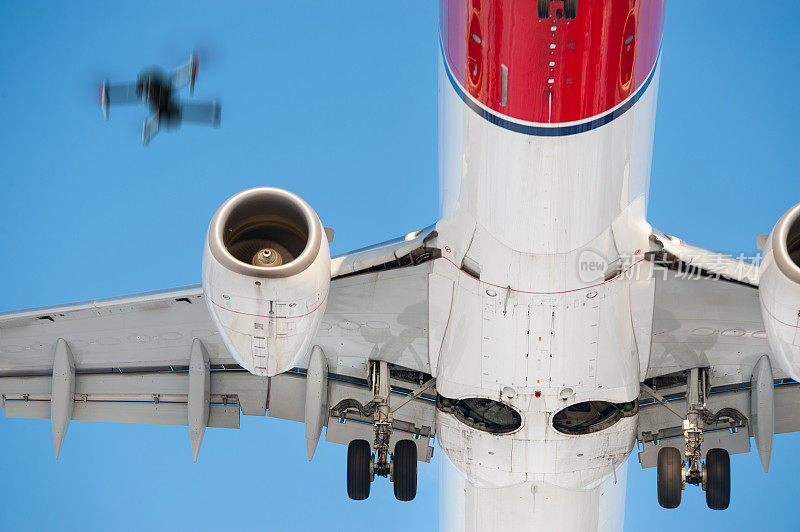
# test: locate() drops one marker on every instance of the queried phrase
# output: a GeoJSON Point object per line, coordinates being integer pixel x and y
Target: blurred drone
{"type": "Point", "coordinates": [158, 90]}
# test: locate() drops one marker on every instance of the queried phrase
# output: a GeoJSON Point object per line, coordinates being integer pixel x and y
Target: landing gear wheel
{"type": "Point", "coordinates": [543, 9]}
{"type": "Point", "coordinates": [669, 478]}
{"type": "Point", "coordinates": [570, 9]}
{"type": "Point", "coordinates": [718, 479]}
{"type": "Point", "coordinates": [404, 470]}
{"type": "Point", "coordinates": [359, 455]}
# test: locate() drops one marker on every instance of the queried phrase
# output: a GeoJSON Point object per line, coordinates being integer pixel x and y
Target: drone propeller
{"type": "Point", "coordinates": [104, 98]}
{"type": "Point", "coordinates": [194, 63]}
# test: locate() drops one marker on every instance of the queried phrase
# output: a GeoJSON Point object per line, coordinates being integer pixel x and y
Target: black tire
{"type": "Point", "coordinates": [669, 478]}
{"type": "Point", "coordinates": [404, 470]}
{"type": "Point", "coordinates": [543, 9]}
{"type": "Point", "coordinates": [359, 455]}
{"type": "Point", "coordinates": [718, 479]}
{"type": "Point", "coordinates": [570, 9]}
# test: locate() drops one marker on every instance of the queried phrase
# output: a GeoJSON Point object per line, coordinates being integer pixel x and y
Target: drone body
{"type": "Point", "coordinates": [158, 90]}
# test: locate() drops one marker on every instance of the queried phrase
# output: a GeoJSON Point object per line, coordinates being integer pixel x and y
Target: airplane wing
{"type": "Point", "coordinates": [186, 74]}
{"type": "Point", "coordinates": [157, 358]}
{"type": "Point", "coordinates": [205, 113]}
{"type": "Point", "coordinates": [707, 315]}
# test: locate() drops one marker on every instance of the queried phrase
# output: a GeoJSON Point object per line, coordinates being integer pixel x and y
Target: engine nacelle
{"type": "Point", "coordinates": [779, 291]}
{"type": "Point", "coordinates": [266, 276]}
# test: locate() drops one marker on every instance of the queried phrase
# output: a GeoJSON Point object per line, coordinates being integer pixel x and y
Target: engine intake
{"type": "Point", "coordinates": [267, 220]}
{"type": "Point", "coordinates": [786, 244]}
{"type": "Point", "coordinates": [266, 276]}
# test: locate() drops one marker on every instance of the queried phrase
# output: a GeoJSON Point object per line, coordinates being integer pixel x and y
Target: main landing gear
{"type": "Point", "coordinates": [675, 471]}
{"type": "Point", "coordinates": [362, 463]}
{"type": "Point", "coordinates": [570, 9]}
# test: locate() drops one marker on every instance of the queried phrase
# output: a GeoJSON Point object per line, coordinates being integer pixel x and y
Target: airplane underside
{"type": "Point", "coordinates": [540, 329]}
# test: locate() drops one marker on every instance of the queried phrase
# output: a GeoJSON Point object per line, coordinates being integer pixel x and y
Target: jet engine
{"type": "Point", "coordinates": [779, 291]}
{"type": "Point", "coordinates": [266, 276]}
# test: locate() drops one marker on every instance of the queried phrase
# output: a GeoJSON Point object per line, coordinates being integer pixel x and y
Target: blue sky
{"type": "Point", "coordinates": [336, 102]}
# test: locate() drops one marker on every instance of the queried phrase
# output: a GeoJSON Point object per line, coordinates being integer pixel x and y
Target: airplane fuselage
{"type": "Point", "coordinates": [545, 145]}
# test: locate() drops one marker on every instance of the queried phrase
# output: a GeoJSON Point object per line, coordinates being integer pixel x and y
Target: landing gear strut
{"type": "Point", "coordinates": [362, 464]}
{"type": "Point", "coordinates": [674, 470]}
{"type": "Point", "coordinates": [382, 418]}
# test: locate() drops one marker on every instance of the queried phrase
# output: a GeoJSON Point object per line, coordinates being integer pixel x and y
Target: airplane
{"type": "Point", "coordinates": [472, 272]}
{"type": "Point", "coordinates": [157, 90]}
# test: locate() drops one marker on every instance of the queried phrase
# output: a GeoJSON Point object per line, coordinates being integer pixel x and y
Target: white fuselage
{"type": "Point", "coordinates": [536, 303]}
